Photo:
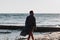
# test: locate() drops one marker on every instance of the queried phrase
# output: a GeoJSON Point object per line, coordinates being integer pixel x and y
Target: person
{"type": "Point", "coordinates": [30, 24]}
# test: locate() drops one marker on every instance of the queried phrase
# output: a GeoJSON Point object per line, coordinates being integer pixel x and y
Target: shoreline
{"type": "Point", "coordinates": [39, 29]}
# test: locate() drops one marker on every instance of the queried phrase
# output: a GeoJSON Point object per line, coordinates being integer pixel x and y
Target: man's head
{"type": "Point", "coordinates": [31, 12]}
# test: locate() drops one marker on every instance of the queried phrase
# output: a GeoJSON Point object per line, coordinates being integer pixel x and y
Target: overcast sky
{"type": "Point", "coordinates": [23, 6]}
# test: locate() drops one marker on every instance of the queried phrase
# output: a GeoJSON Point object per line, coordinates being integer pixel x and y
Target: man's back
{"type": "Point", "coordinates": [30, 21]}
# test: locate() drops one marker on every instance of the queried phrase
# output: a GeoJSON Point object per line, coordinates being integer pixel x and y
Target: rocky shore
{"type": "Point", "coordinates": [38, 29]}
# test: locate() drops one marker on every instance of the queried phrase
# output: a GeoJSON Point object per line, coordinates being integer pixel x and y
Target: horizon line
{"type": "Point", "coordinates": [27, 13]}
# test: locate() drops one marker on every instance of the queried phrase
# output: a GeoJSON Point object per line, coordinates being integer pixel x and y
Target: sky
{"type": "Point", "coordinates": [24, 6]}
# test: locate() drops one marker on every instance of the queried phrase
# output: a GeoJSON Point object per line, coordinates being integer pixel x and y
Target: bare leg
{"type": "Point", "coordinates": [32, 36]}
{"type": "Point", "coordinates": [28, 37]}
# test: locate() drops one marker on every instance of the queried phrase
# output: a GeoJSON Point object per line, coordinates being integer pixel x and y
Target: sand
{"type": "Point", "coordinates": [47, 36]}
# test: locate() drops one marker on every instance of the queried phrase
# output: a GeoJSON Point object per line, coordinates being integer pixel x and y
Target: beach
{"type": "Point", "coordinates": [48, 26]}
{"type": "Point", "coordinates": [44, 36]}
{"type": "Point", "coordinates": [49, 36]}
{"type": "Point", "coordinates": [44, 32]}
{"type": "Point", "coordinates": [13, 33]}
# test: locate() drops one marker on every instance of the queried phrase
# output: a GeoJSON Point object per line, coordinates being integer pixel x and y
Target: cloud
{"type": "Point", "coordinates": [39, 6]}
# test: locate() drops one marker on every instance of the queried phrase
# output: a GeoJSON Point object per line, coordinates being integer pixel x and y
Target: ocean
{"type": "Point", "coordinates": [19, 19]}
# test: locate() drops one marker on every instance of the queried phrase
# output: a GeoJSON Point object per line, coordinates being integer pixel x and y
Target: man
{"type": "Point", "coordinates": [30, 24]}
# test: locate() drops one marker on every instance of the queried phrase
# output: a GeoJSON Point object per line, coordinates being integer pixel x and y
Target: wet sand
{"type": "Point", "coordinates": [39, 29]}
{"type": "Point", "coordinates": [52, 33]}
{"type": "Point", "coordinates": [46, 36]}
{"type": "Point", "coordinates": [15, 35]}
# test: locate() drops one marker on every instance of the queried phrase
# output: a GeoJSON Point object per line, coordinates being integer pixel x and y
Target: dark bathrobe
{"type": "Point", "coordinates": [30, 25]}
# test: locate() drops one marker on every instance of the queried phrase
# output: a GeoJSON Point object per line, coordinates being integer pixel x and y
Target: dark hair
{"type": "Point", "coordinates": [31, 11]}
